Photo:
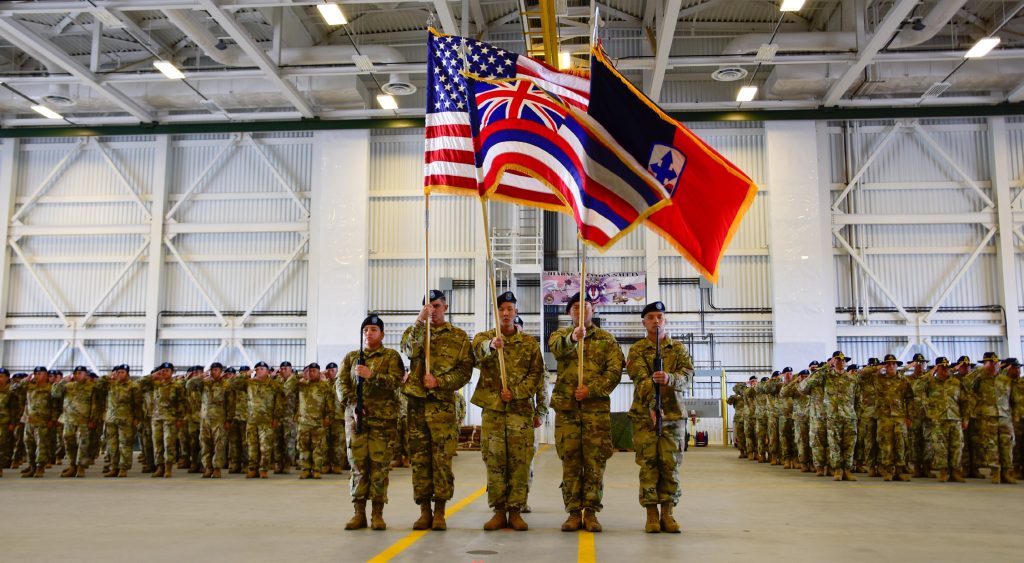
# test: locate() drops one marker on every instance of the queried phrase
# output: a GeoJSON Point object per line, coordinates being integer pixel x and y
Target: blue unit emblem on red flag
{"type": "Point", "coordinates": [666, 163]}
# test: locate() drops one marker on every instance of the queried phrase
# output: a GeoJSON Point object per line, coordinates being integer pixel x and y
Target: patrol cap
{"type": "Point", "coordinates": [919, 357]}
{"type": "Point", "coordinates": [840, 355]}
{"type": "Point", "coordinates": [990, 357]}
{"type": "Point", "coordinates": [507, 297]}
{"type": "Point", "coordinates": [313, 365]}
{"type": "Point", "coordinates": [81, 368]}
{"type": "Point", "coordinates": [262, 364]}
{"type": "Point", "coordinates": [435, 295]}
{"type": "Point", "coordinates": [656, 307]}
{"type": "Point", "coordinates": [518, 321]}
{"type": "Point", "coordinates": [285, 364]}
{"type": "Point", "coordinates": [873, 361]}
{"type": "Point", "coordinates": [891, 359]}
{"type": "Point", "coordinates": [804, 372]}
{"type": "Point", "coordinates": [166, 365]}
{"type": "Point", "coordinates": [1011, 362]}
{"type": "Point", "coordinates": [229, 370]}
{"type": "Point", "coordinates": [332, 365]}
{"type": "Point", "coordinates": [120, 367]}
{"type": "Point", "coordinates": [575, 299]}
{"type": "Point", "coordinates": [963, 360]}
{"type": "Point", "coordinates": [941, 361]}
{"type": "Point", "coordinates": [787, 369]}
{"type": "Point", "coordinates": [372, 320]}
{"type": "Point", "coordinates": [215, 365]}
{"type": "Point", "coordinates": [244, 368]}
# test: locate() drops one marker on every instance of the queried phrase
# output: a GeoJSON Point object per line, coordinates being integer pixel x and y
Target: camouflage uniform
{"type": "Point", "coordinates": [787, 442]}
{"type": "Point", "coordinates": [893, 396]}
{"type": "Point", "coordinates": [920, 427]}
{"type": "Point", "coordinates": [96, 433]}
{"type": "Point", "coordinates": [336, 439]}
{"type": "Point", "coordinates": [801, 427]}
{"type": "Point", "coordinates": [739, 433]}
{"type": "Point", "coordinates": [432, 426]}
{"type": "Point", "coordinates": [122, 410]}
{"type": "Point", "coordinates": [506, 434]}
{"type": "Point", "coordinates": [866, 452]}
{"type": "Point", "coordinates": [168, 399]}
{"type": "Point", "coordinates": [750, 422]}
{"type": "Point", "coordinates": [971, 461]}
{"type": "Point", "coordinates": [1017, 402]}
{"type": "Point", "coordinates": [371, 450]}
{"type": "Point", "coordinates": [213, 420]}
{"type": "Point", "coordinates": [38, 420]}
{"type": "Point", "coordinates": [266, 403]}
{"type": "Point", "coordinates": [238, 433]}
{"type": "Point", "coordinates": [817, 426]}
{"type": "Point", "coordinates": [79, 411]}
{"type": "Point", "coordinates": [771, 392]}
{"type": "Point", "coordinates": [583, 428]}
{"type": "Point", "coordinates": [840, 396]}
{"type": "Point", "coordinates": [947, 409]}
{"type": "Point", "coordinates": [315, 412]}
{"type": "Point", "coordinates": [145, 428]}
{"type": "Point", "coordinates": [8, 419]}
{"type": "Point", "coordinates": [992, 412]}
{"type": "Point", "coordinates": [189, 437]}
{"type": "Point", "coordinates": [659, 458]}
{"type": "Point", "coordinates": [762, 410]}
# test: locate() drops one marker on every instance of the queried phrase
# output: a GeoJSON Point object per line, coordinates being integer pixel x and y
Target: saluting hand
{"type": "Point", "coordinates": [424, 313]}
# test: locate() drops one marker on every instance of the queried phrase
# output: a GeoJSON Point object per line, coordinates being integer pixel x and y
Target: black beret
{"type": "Point", "coordinates": [285, 364]}
{"type": "Point", "coordinates": [852, 367]}
{"type": "Point", "coordinates": [655, 307]}
{"type": "Point", "coordinates": [120, 367]}
{"type": "Point", "coordinates": [81, 368]}
{"type": "Point", "coordinates": [763, 379]}
{"type": "Point", "coordinates": [752, 378]}
{"type": "Point", "coordinates": [243, 368]}
{"type": "Point", "coordinates": [313, 365]}
{"type": "Point", "coordinates": [55, 372]}
{"type": "Point", "coordinates": [38, 369]}
{"type": "Point", "coordinates": [229, 370]}
{"type": "Point", "coordinates": [775, 373]}
{"type": "Point", "coordinates": [804, 372]}
{"type": "Point", "coordinates": [507, 297]}
{"type": "Point", "coordinates": [372, 320]}
{"type": "Point", "coordinates": [575, 299]}
{"type": "Point", "coordinates": [262, 364]}
{"type": "Point", "coordinates": [4, 371]}
{"type": "Point", "coordinates": [435, 294]}
{"type": "Point", "coordinates": [216, 365]}
{"type": "Point", "coordinates": [787, 368]}
{"type": "Point", "coordinates": [166, 365]}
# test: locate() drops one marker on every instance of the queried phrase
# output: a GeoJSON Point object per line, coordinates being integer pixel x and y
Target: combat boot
{"type": "Point", "coordinates": [336, 469]}
{"type": "Point", "coordinates": [743, 455]}
{"type": "Point", "coordinates": [316, 474]}
{"type": "Point", "coordinates": [252, 474]}
{"type": "Point", "coordinates": [122, 473]}
{"type": "Point", "coordinates": [39, 471]}
{"type": "Point", "coordinates": [183, 463]}
{"type": "Point", "coordinates": [207, 473]}
{"type": "Point", "coordinates": [498, 520]}
{"type": "Point", "coordinates": [147, 468]}
{"type": "Point", "coordinates": [1008, 477]}
{"type": "Point", "coordinates": [848, 475]}
{"type": "Point", "coordinates": [590, 521]}
{"type": "Point", "coordinates": [69, 471]}
{"type": "Point", "coordinates": [195, 468]}
{"type": "Point", "coordinates": [837, 475]}
{"type": "Point", "coordinates": [573, 522]}
{"type": "Point", "coordinates": [304, 474]}
{"type": "Point", "coordinates": [426, 517]}
{"type": "Point", "coordinates": [358, 520]}
{"type": "Point", "coordinates": [751, 456]}
{"type": "Point", "coordinates": [806, 468]}
{"type": "Point", "coordinates": [996, 477]}
{"type": "Point", "coordinates": [1, 472]}
{"type": "Point", "coordinates": [886, 474]}
{"type": "Point", "coordinates": [168, 470]}
{"type": "Point", "coordinates": [439, 523]}
{"type": "Point", "coordinates": [377, 516]}
{"type": "Point", "coordinates": [786, 465]}
{"type": "Point", "coordinates": [653, 524]}
{"type": "Point", "coordinates": [159, 471]}
{"type": "Point", "coordinates": [873, 471]}
{"type": "Point", "coordinates": [28, 470]}
{"type": "Point", "coordinates": [80, 471]}
{"type": "Point", "coordinates": [216, 473]}
{"type": "Point", "coordinates": [943, 476]}
{"type": "Point", "coordinates": [263, 474]}
{"type": "Point", "coordinates": [515, 520]}
{"type": "Point", "coordinates": [957, 477]}
{"type": "Point", "coordinates": [668, 522]}
{"type": "Point", "coordinates": [819, 471]}
{"type": "Point", "coordinates": [919, 472]}
{"type": "Point", "coordinates": [902, 477]}
{"type": "Point", "coordinates": [235, 469]}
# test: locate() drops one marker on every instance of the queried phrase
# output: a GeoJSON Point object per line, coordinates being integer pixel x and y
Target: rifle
{"type": "Point", "coordinates": [360, 408]}
{"type": "Point", "coordinates": [659, 365]}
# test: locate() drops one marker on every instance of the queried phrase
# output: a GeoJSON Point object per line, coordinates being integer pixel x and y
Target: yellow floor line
{"type": "Point", "coordinates": [587, 552]}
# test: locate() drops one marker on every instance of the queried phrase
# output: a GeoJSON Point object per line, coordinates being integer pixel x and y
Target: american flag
{"type": "Point", "coordinates": [519, 127]}
{"type": "Point", "coordinates": [449, 152]}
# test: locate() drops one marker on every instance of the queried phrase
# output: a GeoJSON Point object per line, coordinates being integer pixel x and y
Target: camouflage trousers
{"type": "Point", "coordinates": [165, 434]}
{"type": "Point", "coordinates": [773, 436]}
{"type": "Point", "coordinates": [659, 459]}
{"type": "Point", "coordinates": [312, 445]}
{"type": "Point", "coordinates": [762, 436]}
{"type": "Point", "coordinates": [403, 437]}
{"type": "Point", "coordinates": [6, 443]}
{"type": "Point", "coordinates": [892, 441]}
{"type": "Point", "coordinates": [819, 441]}
{"type": "Point", "coordinates": [506, 444]}
{"type": "Point", "coordinates": [37, 443]}
{"type": "Point", "coordinates": [866, 452]}
{"type": "Point", "coordinates": [76, 444]}
{"type": "Point", "coordinates": [213, 443]}
{"type": "Point", "coordinates": [284, 442]}
{"type": "Point", "coordinates": [584, 444]}
{"type": "Point", "coordinates": [336, 456]}
{"type": "Point", "coordinates": [96, 440]}
{"type": "Point", "coordinates": [236, 444]}
{"type": "Point", "coordinates": [433, 438]}
{"type": "Point", "coordinates": [1018, 445]}
{"type": "Point", "coordinates": [947, 445]}
{"type": "Point", "coordinates": [842, 436]}
{"type": "Point", "coordinates": [739, 435]}
{"type": "Point", "coordinates": [55, 445]}
{"type": "Point", "coordinates": [787, 449]}
{"type": "Point", "coordinates": [19, 442]}
{"type": "Point", "coordinates": [260, 438]}
{"type": "Point", "coordinates": [750, 428]}
{"type": "Point", "coordinates": [970, 459]}
{"type": "Point", "coordinates": [369, 454]}
{"type": "Point", "coordinates": [145, 431]}
{"type": "Point", "coordinates": [995, 441]}
{"type": "Point", "coordinates": [189, 442]}
{"type": "Point", "coordinates": [917, 438]}
{"type": "Point", "coordinates": [120, 440]}
{"type": "Point", "coordinates": [802, 435]}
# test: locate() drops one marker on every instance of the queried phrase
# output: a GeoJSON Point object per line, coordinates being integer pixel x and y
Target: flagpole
{"type": "Point", "coordinates": [582, 308]}
{"type": "Point", "coordinates": [426, 277]}
{"type": "Point", "coordinates": [494, 292]}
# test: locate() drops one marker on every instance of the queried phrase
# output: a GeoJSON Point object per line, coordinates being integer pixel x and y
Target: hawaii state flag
{"type": "Point", "coordinates": [709, 194]}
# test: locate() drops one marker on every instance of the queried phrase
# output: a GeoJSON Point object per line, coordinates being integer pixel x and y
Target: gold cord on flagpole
{"type": "Point", "coordinates": [426, 278]}
{"type": "Point", "coordinates": [494, 292]}
{"type": "Point", "coordinates": [582, 309]}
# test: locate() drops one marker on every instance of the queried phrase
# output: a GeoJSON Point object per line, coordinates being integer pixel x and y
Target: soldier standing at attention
{"type": "Point", "coordinates": [266, 403]}
{"type": "Point", "coordinates": [817, 425]}
{"type": "Point", "coordinates": [865, 454]}
{"type": "Point", "coordinates": [372, 433]}
{"type": "Point", "coordinates": [189, 437]}
{"type": "Point", "coordinates": [213, 391]}
{"type": "Point", "coordinates": [506, 435]}
{"type": "Point", "coordinates": [659, 454]}
{"type": "Point", "coordinates": [992, 413]}
{"type": "Point", "coordinates": [337, 460]}
{"type": "Point", "coordinates": [433, 430]}
{"type": "Point", "coordinates": [737, 402]}
{"type": "Point", "coordinates": [968, 373]}
{"type": "Point", "coordinates": [7, 420]}
{"type": "Point", "coordinates": [168, 397]}
{"type": "Point", "coordinates": [840, 393]}
{"type": "Point", "coordinates": [79, 409]}
{"type": "Point", "coordinates": [893, 397]}
{"type": "Point", "coordinates": [35, 395]}
{"type": "Point", "coordinates": [236, 414]}
{"type": "Point", "coordinates": [123, 411]}
{"type": "Point", "coordinates": [920, 427]}
{"type": "Point", "coordinates": [583, 424]}
{"type": "Point", "coordinates": [287, 432]}
{"type": "Point", "coordinates": [947, 409]}
{"type": "Point", "coordinates": [749, 395]}
{"type": "Point", "coordinates": [315, 412]}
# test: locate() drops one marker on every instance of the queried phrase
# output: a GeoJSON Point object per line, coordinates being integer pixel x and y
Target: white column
{"type": "Point", "coordinates": [155, 265]}
{"type": "Point", "coordinates": [339, 244]}
{"type": "Point", "coordinates": [800, 243]}
{"type": "Point", "coordinates": [1001, 178]}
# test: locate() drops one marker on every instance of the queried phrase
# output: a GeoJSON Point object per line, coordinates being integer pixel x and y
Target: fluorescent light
{"type": "Point", "coordinates": [46, 112]}
{"type": "Point", "coordinates": [982, 47]}
{"type": "Point", "coordinates": [168, 69]}
{"type": "Point", "coordinates": [387, 101]}
{"type": "Point", "coordinates": [791, 5]}
{"type": "Point", "coordinates": [564, 60]}
{"type": "Point", "coordinates": [331, 13]}
{"type": "Point", "coordinates": [746, 94]}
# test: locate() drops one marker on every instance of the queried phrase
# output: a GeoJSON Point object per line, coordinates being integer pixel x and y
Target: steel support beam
{"type": "Point", "coordinates": [113, 285]}
{"type": "Point", "coordinates": [959, 274]}
{"type": "Point", "coordinates": [120, 175]}
{"type": "Point", "coordinates": [445, 15]}
{"type": "Point", "coordinates": [155, 266]}
{"type": "Point", "coordinates": [195, 281]}
{"type": "Point", "coordinates": [952, 162]}
{"type": "Point", "coordinates": [871, 274]}
{"type": "Point", "coordinates": [273, 279]}
{"type": "Point", "coordinates": [232, 142]}
{"type": "Point", "coordinates": [39, 281]}
{"type": "Point", "coordinates": [999, 163]}
{"type": "Point", "coordinates": [45, 184]}
{"type": "Point", "coordinates": [666, 32]}
{"type": "Point", "coordinates": [884, 142]}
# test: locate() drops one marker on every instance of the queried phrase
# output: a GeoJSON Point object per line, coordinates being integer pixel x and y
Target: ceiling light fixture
{"type": "Point", "coordinates": [564, 60]}
{"type": "Point", "coordinates": [791, 5]}
{"type": "Point", "coordinates": [386, 101]}
{"type": "Point", "coordinates": [168, 69]}
{"type": "Point", "coordinates": [746, 94]}
{"type": "Point", "coordinates": [981, 48]}
{"type": "Point", "coordinates": [331, 13]}
{"type": "Point", "coordinates": [46, 112]}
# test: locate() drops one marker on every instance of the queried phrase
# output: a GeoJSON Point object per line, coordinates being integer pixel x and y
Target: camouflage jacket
{"type": "Point", "coordinates": [79, 404]}
{"type": "Point", "coordinates": [315, 400]}
{"type": "Point", "coordinates": [762, 401]}
{"type": "Point", "coordinates": [893, 396]}
{"type": "Point", "coordinates": [737, 401]}
{"type": "Point", "coordinates": [123, 403]}
{"type": "Point", "coordinates": [840, 392]}
{"type": "Point", "coordinates": [524, 373]}
{"type": "Point", "coordinates": [750, 400]}
{"type": "Point", "coordinates": [265, 399]}
{"type": "Point", "coordinates": [380, 392]}
{"type": "Point", "coordinates": [602, 369]}
{"type": "Point", "coordinates": [213, 398]}
{"type": "Point", "coordinates": [168, 398]}
{"type": "Point", "coordinates": [919, 394]}
{"type": "Point", "coordinates": [640, 367]}
{"type": "Point", "coordinates": [37, 400]}
{"type": "Point", "coordinates": [798, 402]}
{"type": "Point", "coordinates": [992, 395]}
{"type": "Point", "coordinates": [970, 395]}
{"type": "Point", "coordinates": [451, 361]}
{"type": "Point", "coordinates": [946, 399]}
{"type": "Point", "coordinates": [867, 398]}
{"type": "Point", "coordinates": [1017, 401]}
{"type": "Point", "coordinates": [193, 407]}
{"type": "Point", "coordinates": [8, 405]}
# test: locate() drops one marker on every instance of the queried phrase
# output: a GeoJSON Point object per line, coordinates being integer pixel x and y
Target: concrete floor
{"type": "Point", "coordinates": [731, 510]}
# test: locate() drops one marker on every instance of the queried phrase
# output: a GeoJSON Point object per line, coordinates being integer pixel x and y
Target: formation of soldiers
{"type": "Point", "coordinates": [372, 415]}
{"type": "Point", "coordinates": [944, 421]}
